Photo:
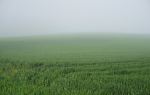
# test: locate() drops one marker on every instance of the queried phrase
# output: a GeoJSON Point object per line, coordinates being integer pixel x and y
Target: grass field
{"type": "Point", "coordinates": [75, 65]}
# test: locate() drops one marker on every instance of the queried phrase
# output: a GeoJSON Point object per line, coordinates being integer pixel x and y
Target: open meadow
{"type": "Point", "coordinates": [75, 65]}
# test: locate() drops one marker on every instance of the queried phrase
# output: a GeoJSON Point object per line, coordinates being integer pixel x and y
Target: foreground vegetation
{"type": "Point", "coordinates": [98, 65]}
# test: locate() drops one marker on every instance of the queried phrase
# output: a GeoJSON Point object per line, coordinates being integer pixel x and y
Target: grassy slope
{"type": "Point", "coordinates": [75, 65]}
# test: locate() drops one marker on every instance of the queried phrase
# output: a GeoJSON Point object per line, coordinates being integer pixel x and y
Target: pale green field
{"type": "Point", "coordinates": [75, 65]}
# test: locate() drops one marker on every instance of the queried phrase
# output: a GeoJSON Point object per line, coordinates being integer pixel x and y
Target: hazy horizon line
{"type": "Point", "coordinates": [76, 34]}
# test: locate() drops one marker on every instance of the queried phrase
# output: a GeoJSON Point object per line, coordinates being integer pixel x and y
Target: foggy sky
{"type": "Point", "coordinates": [32, 17]}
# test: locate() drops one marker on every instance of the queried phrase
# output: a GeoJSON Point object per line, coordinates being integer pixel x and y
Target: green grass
{"type": "Point", "coordinates": [75, 65]}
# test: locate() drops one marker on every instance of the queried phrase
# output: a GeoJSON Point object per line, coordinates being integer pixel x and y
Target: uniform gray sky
{"type": "Point", "coordinates": [35, 17]}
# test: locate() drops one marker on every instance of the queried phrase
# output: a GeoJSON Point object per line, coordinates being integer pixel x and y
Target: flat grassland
{"type": "Point", "coordinates": [75, 65]}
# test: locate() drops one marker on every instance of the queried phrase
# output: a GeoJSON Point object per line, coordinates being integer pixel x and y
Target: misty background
{"type": "Point", "coordinates": [37, 17]}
